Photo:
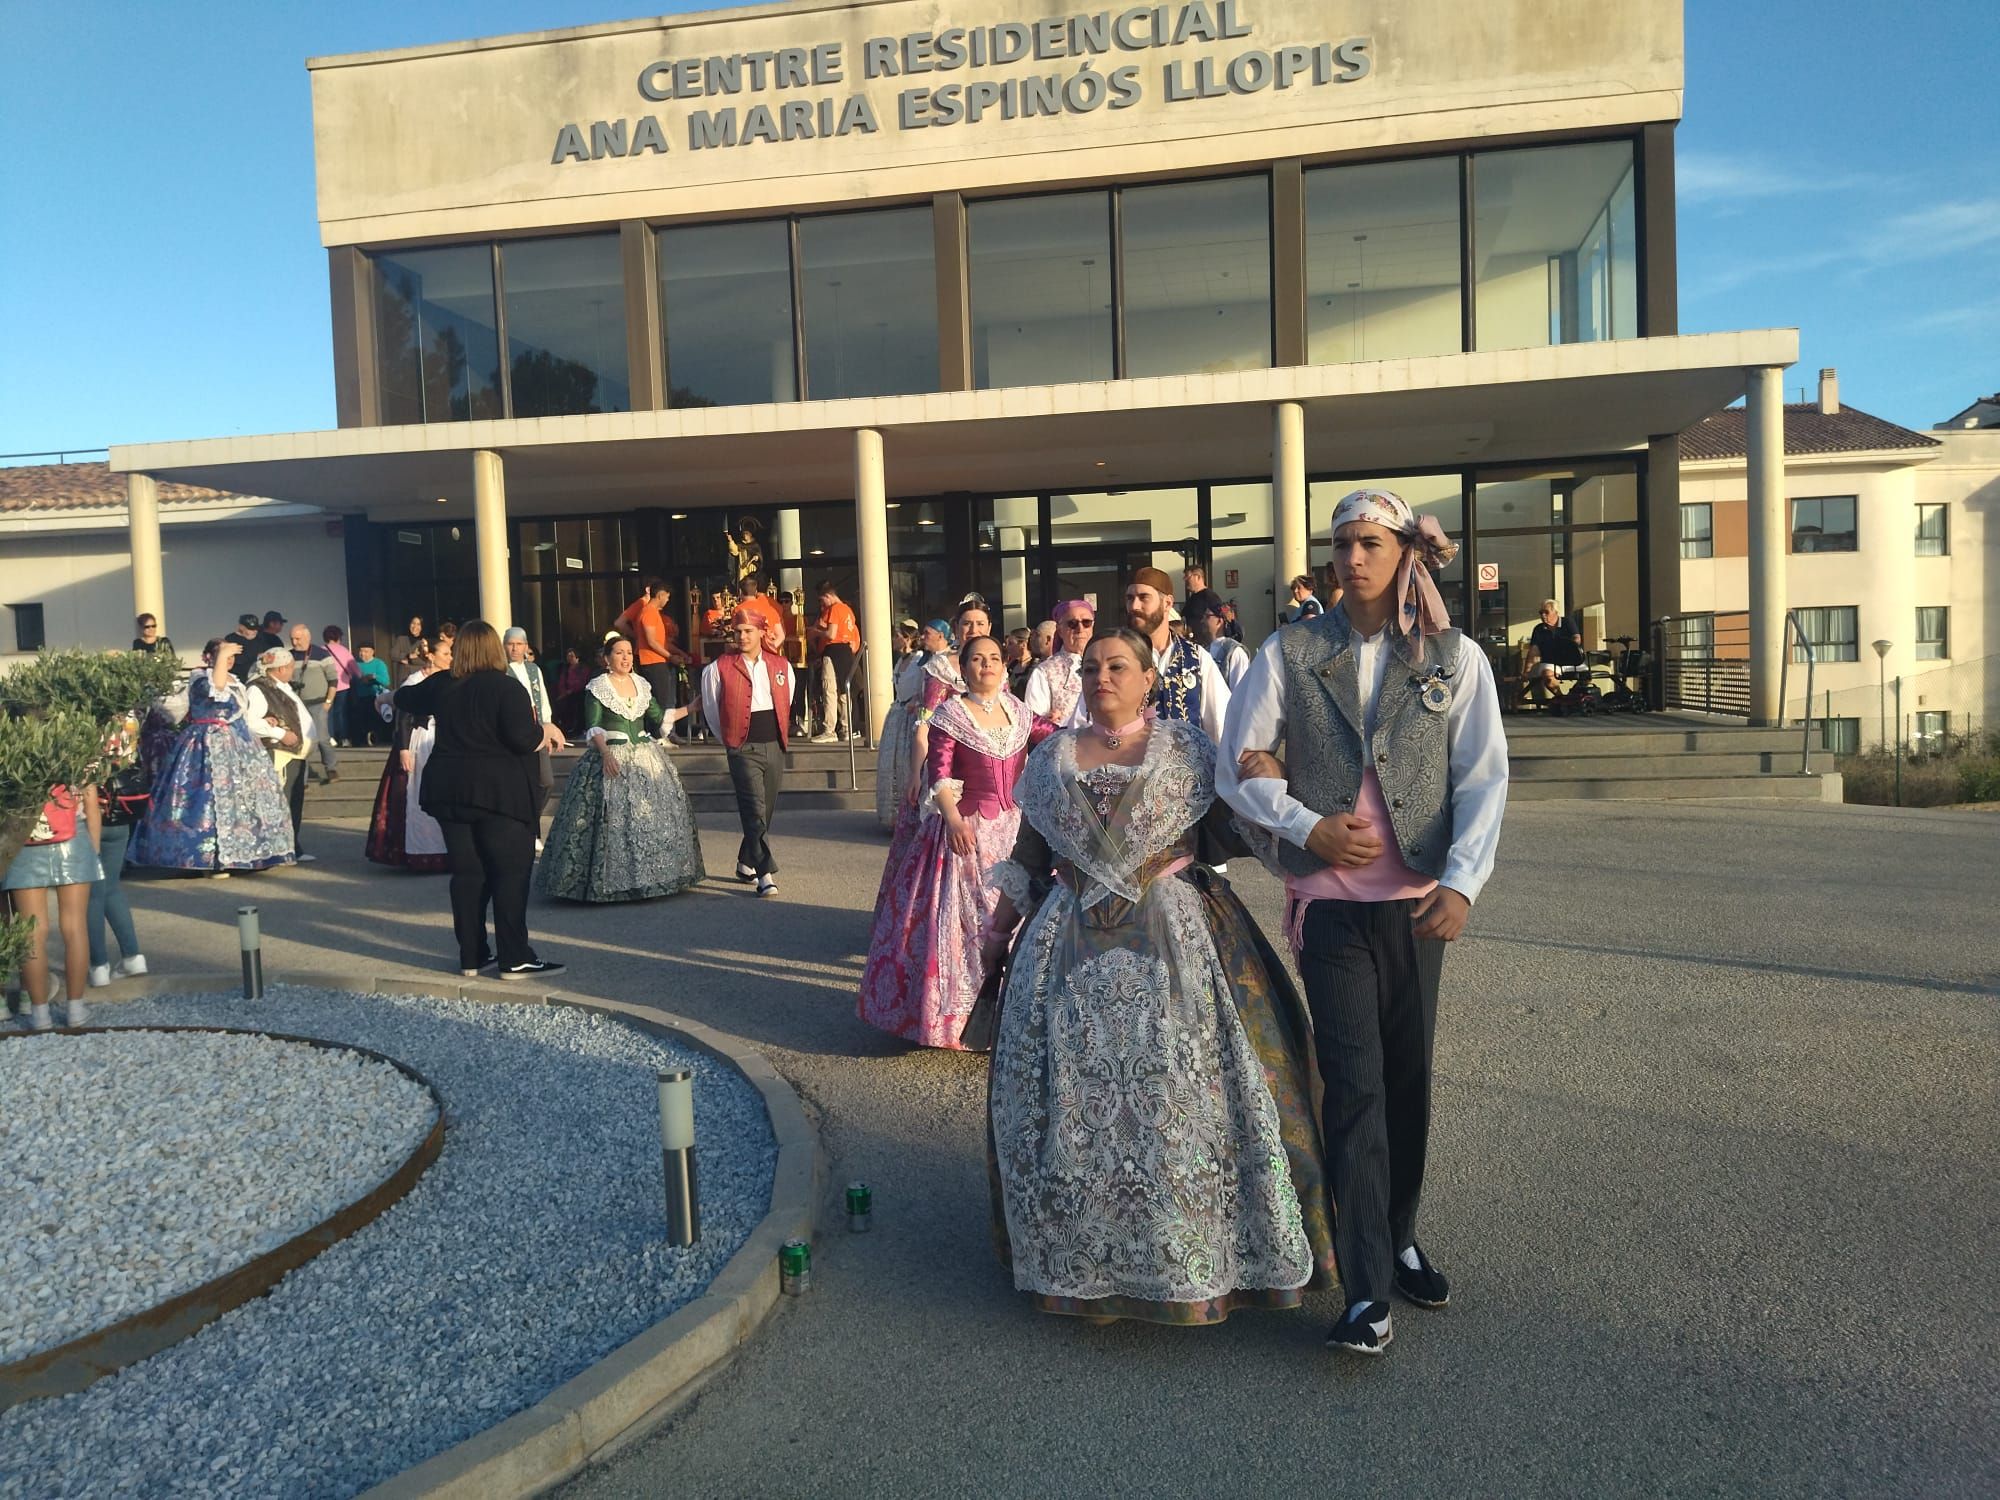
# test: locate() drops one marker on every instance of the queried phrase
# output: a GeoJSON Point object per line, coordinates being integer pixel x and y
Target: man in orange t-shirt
{"type": "Point", "coordinates": [653, 637]}
{"type": "Point", "coordinates": [838, 637]}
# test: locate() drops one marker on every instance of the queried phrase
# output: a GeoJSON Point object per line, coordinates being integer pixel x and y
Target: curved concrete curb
{"type": "Point", "coordinates": [646, 1377]}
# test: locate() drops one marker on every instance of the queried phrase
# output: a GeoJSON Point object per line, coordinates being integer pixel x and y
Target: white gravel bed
{"type": "Point", "coordinates": [140, 1165]}
{"type": "Point", "coordinates": [531, 1248]}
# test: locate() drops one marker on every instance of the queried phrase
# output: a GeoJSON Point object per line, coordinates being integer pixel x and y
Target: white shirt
{"type": "Point", "coordinates": [1039, 694]}
{"type": "Point", "coordinates": [1232, 657]}
{"type": "Point", "coordinates": [1476, 744]}
{"type": "Point", "coordinates": [711, 691]}
{"type": "Point", "coordinates": [537, 694]}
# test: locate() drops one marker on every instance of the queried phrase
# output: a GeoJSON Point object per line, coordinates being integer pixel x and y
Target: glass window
{"type": "Point", "coordinates": [30, 633]}
{"type": "Point", "coordinates": [1242, 576]}
{"type": "Point", "coordinates": [1694, 635]}
{"type": "Point", "coordinates": [566, 325]}
{"type": "Point", "coordinates": [1041, 289]}
{"type": "Point", "coordinates": [1240, 512]}
{"type": "Point", "coordinates": [1933, 731]}
{"type": "Point", "coordinates": [1382, 261]}
{"type": "Point", "coordinates": [1554, 246]}
{"type": "Point", "coordinates": [1439, 495]}
{"type": "Point", "coordinates": [726, 300]}
{"type": "Point", "coordinates": [1196, 278]}
{"type": "Point", "coordinates": [870, 288]}
{"type": "Point", "coordinates": [1833, 630]}
{"type": "Point", "coordinates": [1571, 496]}
{"type": "Point", "coordinates": [1840, 736]}
{"type": "Point", "coordinates": [1823, 525]}
{"type": "Point", "coordinates": [1933, 539]}
{"type": "Point", "coordinates": [1933, 634]}
{"type": "Point", "coordinates": [1697, 531]}
{"type": "Point", "coordinates": [437, 351]}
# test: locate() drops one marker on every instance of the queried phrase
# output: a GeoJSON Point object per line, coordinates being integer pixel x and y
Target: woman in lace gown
{"type": "Point", "coordinates": [400, 832]}
{"type": "Point", "coordinates": [923, 956]}
{"type": "Point", "coordinates": [1154, 1150]}
{"type": "Point", "coordinates": [892, 755]}
{"type": "Point", "coordinates": [216, 801]}
{"type": "Point", "coordinates": [624, 830]}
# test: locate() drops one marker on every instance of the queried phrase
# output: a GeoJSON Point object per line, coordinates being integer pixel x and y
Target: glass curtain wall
{"type": "Point", "coordinates": [565, 301]}
{"type": "Point", "coordinates": [726, 301]}
{"type": "Point", "coordinates": [437, 348]}
{"type": "Point", "coordinates": [1438, 495]}
{"type": "Point", "coordinates": [1196, 277]}
{"type": "Point", "coordinates": [1383, 268]}
{"type": "Point", "coordinates": [1555, 245]}
{"type": "Point", "coordinates": [869, 291]}
{"type": "Point", "coordinates": [1041, 289]}
{"type": "Point", "coordinates": [575, 577]}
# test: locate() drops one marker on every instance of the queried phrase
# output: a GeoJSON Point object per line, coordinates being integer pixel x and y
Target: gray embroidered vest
{"type": "Point", "coordinates": [1324, 751]}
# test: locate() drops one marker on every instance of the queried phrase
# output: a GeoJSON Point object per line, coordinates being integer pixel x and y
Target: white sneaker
{"type": "Point", "coordinates": [39, 1018]}
{"type": "Point", "coordinates": [76, 1013]}
{"type": "Point", "coordinates": [100, 976]}
{"type": "Point", "coordinates": [130, 968]}
{"type": "Point", "coordinates": [820, 739]}
{"type": "Point", "coordinates": [308, 859]}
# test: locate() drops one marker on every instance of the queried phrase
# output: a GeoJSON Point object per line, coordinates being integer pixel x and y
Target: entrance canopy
{"type": "Point", "coordinates": [1385, 417]}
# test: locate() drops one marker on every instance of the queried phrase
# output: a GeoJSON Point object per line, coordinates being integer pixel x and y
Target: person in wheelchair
{"type": "Point", "coordinates": [1555, 651]}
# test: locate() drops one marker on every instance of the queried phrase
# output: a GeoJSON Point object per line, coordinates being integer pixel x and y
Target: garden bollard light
{"type": "Point", "coordinates": [251, 942]}
{"type": "Point", "coordinates": [677, 1150]}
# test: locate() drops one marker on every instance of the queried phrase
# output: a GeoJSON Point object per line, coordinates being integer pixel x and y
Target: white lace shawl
{"type": "Point", "coordinates": [1170, 790]}
{"type": "Point", "coordinates": [633, 708]}
{"type": "Point", "coordinates": [955, 719]}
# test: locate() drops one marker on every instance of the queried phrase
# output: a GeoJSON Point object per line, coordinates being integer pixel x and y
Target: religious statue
{"type": "Point", "coordinates": [746, 555]}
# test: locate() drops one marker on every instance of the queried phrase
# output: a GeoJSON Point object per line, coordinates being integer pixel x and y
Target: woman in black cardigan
{"type": "Point", "coordinates": [482, 785]}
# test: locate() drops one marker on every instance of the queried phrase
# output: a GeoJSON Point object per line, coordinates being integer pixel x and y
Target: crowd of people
{"type": "Point", "coordinates": [1175, 1131]}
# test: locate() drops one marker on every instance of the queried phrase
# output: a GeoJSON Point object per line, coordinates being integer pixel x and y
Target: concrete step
{"type": "Point", "coordinates": [1537, 740]}
{"type": "Point", "coordinates": [1539, 767]}
{"type": "Point", "coordinates": [1673, 788]}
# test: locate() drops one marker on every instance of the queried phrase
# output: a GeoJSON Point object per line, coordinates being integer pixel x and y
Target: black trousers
{"type": "Point", "coordinates": [491, 860]}
{"type": "Point", "coordinates": [545, 781]}
{"type": "Point", "coordinates": [660, 678]}
{"type": "Point", "coordinates": [757, 770]}
{"type": "Point", "coordinates": [1372, 988]}
{"type": "Point", "coordinates": [293, 780]}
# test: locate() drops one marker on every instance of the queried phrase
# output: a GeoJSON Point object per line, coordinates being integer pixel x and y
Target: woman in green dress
{"type": "Point", "coordinates": [624, 830]}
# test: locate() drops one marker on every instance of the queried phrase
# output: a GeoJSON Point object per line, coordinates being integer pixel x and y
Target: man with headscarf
{"type": "Point", "coordinates": [746, 696]}
{"type": "Point", "coordinates": [1191, 686]}
{"type": "Point", "coordinates": [283, 726]}
{"type": "Point", "coordinates": [1383, 819]}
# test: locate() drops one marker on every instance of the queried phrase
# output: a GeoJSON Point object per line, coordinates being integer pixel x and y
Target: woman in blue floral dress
{"type": "Point", "coordinates": [216, 802]}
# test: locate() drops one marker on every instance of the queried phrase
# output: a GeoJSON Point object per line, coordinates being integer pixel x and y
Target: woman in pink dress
{"type": "Point", "coordinates": [923, 956]}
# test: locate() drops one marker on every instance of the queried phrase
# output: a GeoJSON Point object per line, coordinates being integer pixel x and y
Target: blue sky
{"type": "Point", "coordinates": [161, 275]}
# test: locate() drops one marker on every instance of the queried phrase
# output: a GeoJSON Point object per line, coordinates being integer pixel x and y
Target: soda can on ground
{"type": "Point", "coordinates": [860, 1204]}
{"type": "Point", "coordinates": [795, 1268]}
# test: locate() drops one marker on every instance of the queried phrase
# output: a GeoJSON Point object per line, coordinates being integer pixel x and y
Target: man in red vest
{"type": "Point", "coordinates": [746, 696]}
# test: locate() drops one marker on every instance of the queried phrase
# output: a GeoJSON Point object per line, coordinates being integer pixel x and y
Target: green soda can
{"type": "Point", "coordinates": [860, 1203]}
{"type": "Point", "coordinates": [795, 1268]}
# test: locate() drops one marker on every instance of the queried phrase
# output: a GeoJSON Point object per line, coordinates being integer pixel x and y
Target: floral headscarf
{"type": "Point", "coordinates": [1421, 609]}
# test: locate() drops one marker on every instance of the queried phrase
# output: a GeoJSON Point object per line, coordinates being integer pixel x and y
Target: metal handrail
{"type": "Point", "coordinates": [1795, 631]}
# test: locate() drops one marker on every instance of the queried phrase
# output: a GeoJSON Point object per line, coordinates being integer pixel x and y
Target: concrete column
{"type": "Point", "coordinates": [785, 543]}
{"type": "Point", "coordinates": [142, 506]}
{"type": "Point", "coordinates": [1764, 429]}
{"type": "Point", "coordinates": [489, 538]}
{"type": "Point", "coordinates": [1288, 499]}
{"type": "Point", "coordinates": [871, 549]}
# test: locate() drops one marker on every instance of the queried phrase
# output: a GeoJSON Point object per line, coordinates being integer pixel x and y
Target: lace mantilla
{"type": "Point", "coordinates": [956, 720]}
{"type": "Point", "coordinates": [1162, 797]}
{"type": "Point", "coordinates": [633, 708]}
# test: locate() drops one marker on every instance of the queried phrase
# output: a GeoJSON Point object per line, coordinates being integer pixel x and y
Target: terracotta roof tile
{"type": "Point", "coordinates": [90, 486]}
{"type": "Point", "coordinates": [1807, 430]}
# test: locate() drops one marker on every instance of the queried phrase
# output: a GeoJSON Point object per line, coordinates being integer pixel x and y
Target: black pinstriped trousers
{"type": "Point", "coordinates": [1372, 988]}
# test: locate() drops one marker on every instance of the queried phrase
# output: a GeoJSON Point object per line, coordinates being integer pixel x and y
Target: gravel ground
{"type": "Point", "coordinates": [175, 1158]}
{"type": "Point", "coordinates": [530, 1249]}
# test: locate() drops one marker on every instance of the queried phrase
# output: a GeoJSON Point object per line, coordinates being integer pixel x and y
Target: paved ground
{"type": "Point", "coordinates": [1713, 1173]}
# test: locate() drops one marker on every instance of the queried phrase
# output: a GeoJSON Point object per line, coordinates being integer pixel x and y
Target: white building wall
{"type": "Point", "coordinates": [215, 571]}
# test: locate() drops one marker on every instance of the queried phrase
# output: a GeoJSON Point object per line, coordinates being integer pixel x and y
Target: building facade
{"type": "Point", "coordinates": [1889, 555]}
{"type": "Point", "coordinates": [1004, 297]}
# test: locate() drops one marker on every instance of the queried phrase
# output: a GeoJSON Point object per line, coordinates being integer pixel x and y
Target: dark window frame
{"type": "Point", "coordinates": [1933, 647]}
{"type": "Point", "coordinates": [1942, 514]}
{"type": "Point", "coordinates": [1824, 539]}
{"type": "Point", "coordinates": [31, 627]}
{"type": "Point", "coordinates": [1700, 543]}
{"type": "Point", "coordinates": [1818, 622]}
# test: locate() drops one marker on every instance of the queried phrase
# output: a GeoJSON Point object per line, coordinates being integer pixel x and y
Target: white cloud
{"type": "Point", "coordinates": [1938, 232]}
{"type": "Point", "coordinates": [1701, 178]}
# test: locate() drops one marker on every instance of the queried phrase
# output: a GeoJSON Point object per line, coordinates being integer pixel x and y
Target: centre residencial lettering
{"type": "Point", "coordinates": [1082, 38]}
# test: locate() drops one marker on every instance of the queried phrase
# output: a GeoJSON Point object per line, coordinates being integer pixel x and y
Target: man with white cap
{"type": "Point", "coordinates": [1383, 819]}
{"type": "Point", "coordinates": [529, 675]}
{"type": "Point", "coordinates": [280, 720]}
